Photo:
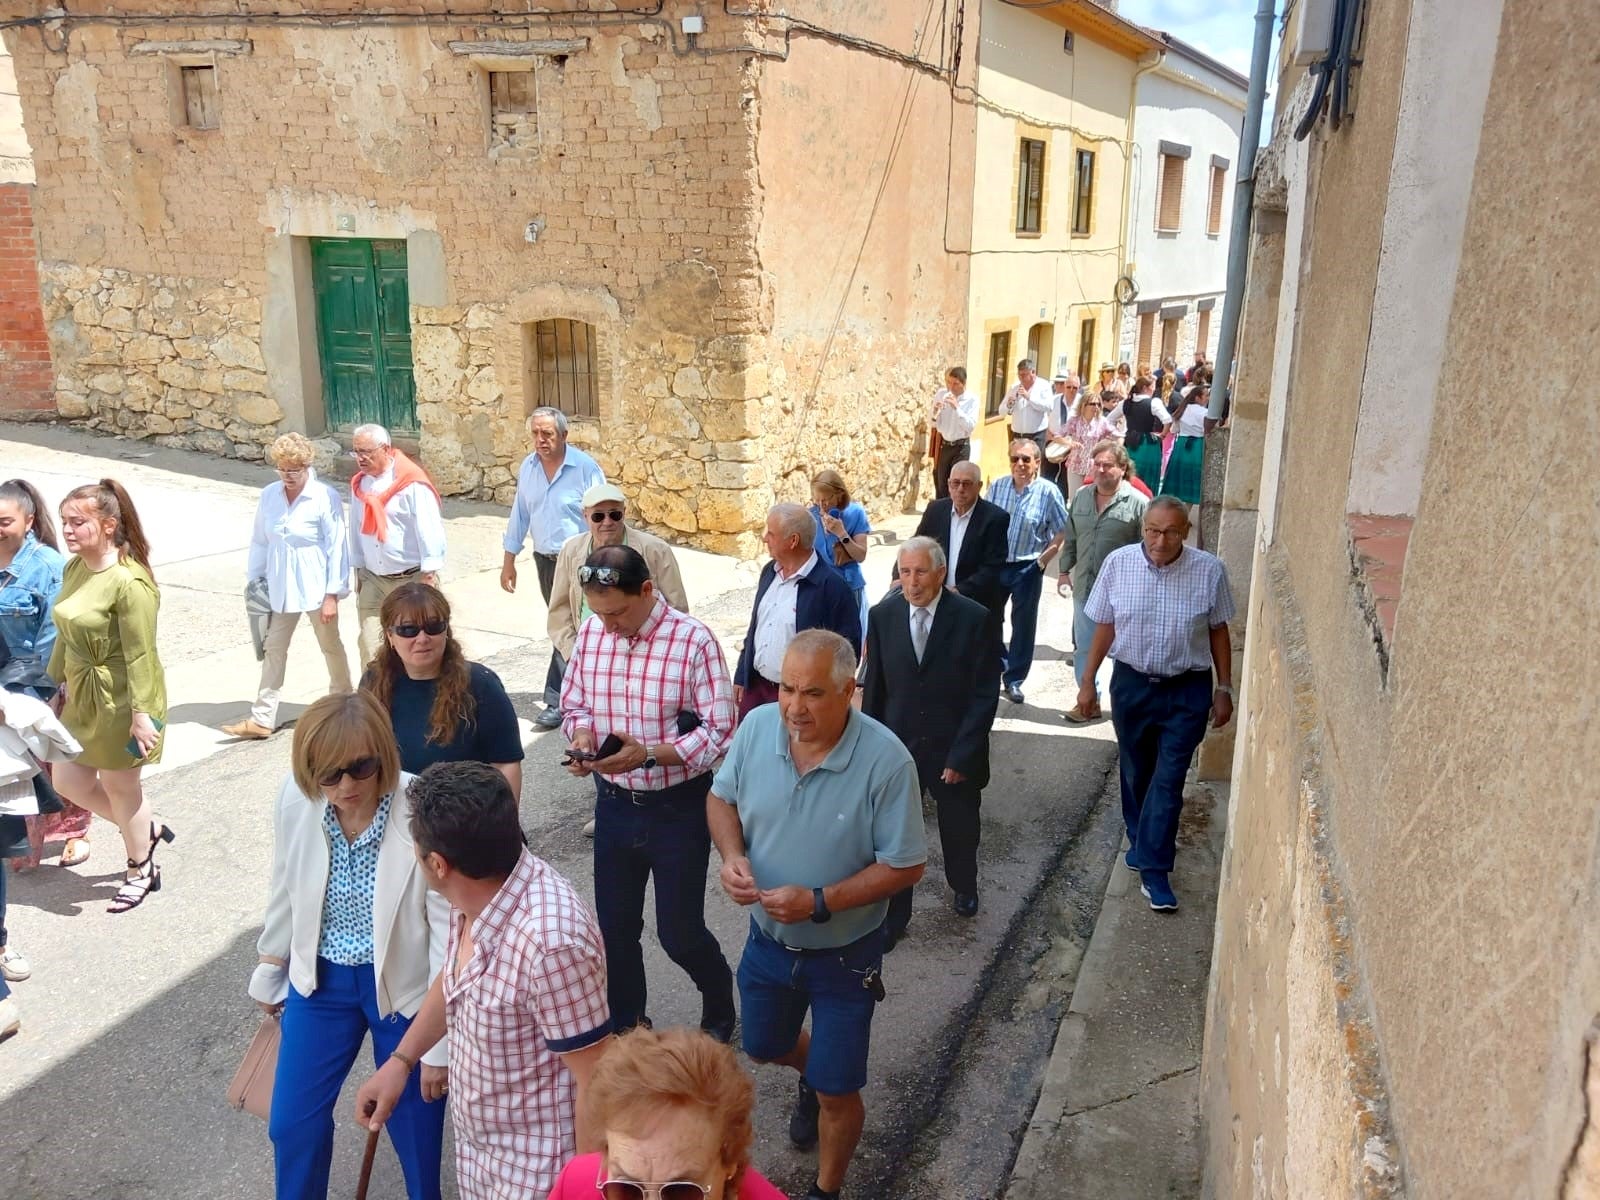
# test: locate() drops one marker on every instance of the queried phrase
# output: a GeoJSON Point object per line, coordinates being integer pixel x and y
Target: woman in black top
{"type": "Point", "coordinates": [442, 707]}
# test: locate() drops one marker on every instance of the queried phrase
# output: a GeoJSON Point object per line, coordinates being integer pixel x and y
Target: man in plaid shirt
{"type": "Point", "coordinates": [522, 991]}
{"type": "Point", "coordinates": [656, 679]}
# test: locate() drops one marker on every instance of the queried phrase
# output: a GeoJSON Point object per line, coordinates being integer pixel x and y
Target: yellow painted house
{"type": "Point", "coordinates": [1056, 90]}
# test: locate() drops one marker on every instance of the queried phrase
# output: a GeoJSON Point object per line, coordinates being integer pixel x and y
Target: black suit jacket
{"type": "Point", "coordinates": [824, 601]}
{"type": "Point", "coordinates": [943, 707]}
{"type": "Point", "coordinates": [979, 574]}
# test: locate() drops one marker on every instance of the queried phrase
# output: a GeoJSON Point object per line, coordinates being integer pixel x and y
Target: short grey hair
{"type": "Point", "coordinates": [1172, 502]}
{"type": "Point", "coordinates": [926, 545]}
{"type": "Point", "coordinates": [793, 520]}
{"type": "Point", "coordinates": [555, 414]}
{"type": "Point", "coordinates": [969, 465]}
{"type": "Point", "coordinates": [825, 641]}
{"type": "Point", "coordinates": [1026, 365]}
{"type": "Point", "coordinates": [376, 432]}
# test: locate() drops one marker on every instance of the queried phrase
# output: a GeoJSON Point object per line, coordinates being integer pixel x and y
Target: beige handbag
{"type": "Point", "coordinates": [251, 1089]}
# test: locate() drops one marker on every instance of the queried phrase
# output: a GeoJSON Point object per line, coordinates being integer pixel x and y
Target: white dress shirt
{"type": "Point", "coordinates": [416, 530]}
{"type": "Point", "coordinates": [1192, 420]}
{"type": "Point", "coordinates": [1029, 408]}
{"type": "Point", "coordinates": [1060, 413]}
{"type": "Point", "coordinates": [775, 620]}
{"type": "Point", "coordinates": [959, 524]}
{"type": "Point", "coordinates": [300, 549]}
{"type": "Point", "coordinates": [955, 424]}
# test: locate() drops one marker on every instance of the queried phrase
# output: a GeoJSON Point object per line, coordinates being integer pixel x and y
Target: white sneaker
{"type": "Point", "coordinates": [10, 1017]}
{"type": "Point", "coordinates": [588, 828]}
{"type": "Point", "coordinates": [13, 966]}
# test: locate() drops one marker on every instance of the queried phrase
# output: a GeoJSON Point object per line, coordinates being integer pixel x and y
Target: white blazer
{"type": "Point", "coordinates": [410, 922]}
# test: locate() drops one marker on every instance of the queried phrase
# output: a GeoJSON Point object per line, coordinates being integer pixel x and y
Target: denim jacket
{"type": "Point", "coordinates": [28, 588]}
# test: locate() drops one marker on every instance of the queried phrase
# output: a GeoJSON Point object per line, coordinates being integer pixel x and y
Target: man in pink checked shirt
{"type": "Point", "coordinates": [655, 680]}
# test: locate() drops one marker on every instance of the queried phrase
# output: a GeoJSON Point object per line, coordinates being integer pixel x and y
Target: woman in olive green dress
{"type": "Point", "coordinates": [113, 690]}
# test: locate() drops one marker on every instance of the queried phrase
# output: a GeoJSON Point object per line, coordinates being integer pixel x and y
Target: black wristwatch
{"type": "Point", "coordinates": [819, 908]}
{"type": "Point", "coordinates": [650, 762]}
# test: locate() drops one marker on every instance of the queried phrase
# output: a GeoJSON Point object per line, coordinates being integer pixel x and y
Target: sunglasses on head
{"type": "Point", "coordinates": [619, 1189]}
{"type": "Point", "coordinates": [410, 629]}
{"type": "Point", "coordinates": [603, 576]}
{"type": "Point", "coordinates": [360, 770]}
{"type": "Point", "coordinates": [610, 514]}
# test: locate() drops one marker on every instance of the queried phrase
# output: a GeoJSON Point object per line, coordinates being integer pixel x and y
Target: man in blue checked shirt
{"type": "Point", "coordinates": [1038, 527]}
{"type": "Point", "coordinates": [548, 505]}
{"type": "Point", "coordinates": [1161, 610]}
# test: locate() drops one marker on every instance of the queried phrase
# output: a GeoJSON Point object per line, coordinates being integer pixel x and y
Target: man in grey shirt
{"type": "Point", "coordinates": [817, 814]}
{"type": "Point", "coordinates": [1100, 519]}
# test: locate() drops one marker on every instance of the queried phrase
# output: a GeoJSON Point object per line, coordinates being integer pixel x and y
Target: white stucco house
{"type": "Point", "coordinates": [1187, 113]}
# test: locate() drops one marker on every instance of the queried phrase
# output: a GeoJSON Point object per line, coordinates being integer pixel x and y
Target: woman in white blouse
{"type": "Point", "coordinates": [301, 550]}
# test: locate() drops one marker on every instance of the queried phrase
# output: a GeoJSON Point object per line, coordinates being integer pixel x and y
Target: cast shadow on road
{"type": "Point", "coordinates": [140, 1112]}
{"type": "Point", "coordinates": [67, 893]}
{"type": "Point", "coordinates": [217, 715]}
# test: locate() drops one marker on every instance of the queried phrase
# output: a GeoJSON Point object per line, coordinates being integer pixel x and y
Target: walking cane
{"type": "Point", "coordinates": [366, 1165]}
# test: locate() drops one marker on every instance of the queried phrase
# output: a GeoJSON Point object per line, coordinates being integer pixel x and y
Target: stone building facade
{"type": "Point", "coordinates": [659, 216]}
{"type": "Point", "coordinates": [1405, 991]}
{"type": "Point", "coordinates": [27, 382]}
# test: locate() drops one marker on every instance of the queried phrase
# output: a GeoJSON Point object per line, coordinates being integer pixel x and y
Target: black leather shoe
{"type": "Point", "coordinates": [816, 1193]}
{"type": "Point", "coordinates": [803, 1120]}
{"type": "Point", "coordinates": [966, 906]}
{"type": "Point", "coordinates": [718, 1021]}
{"type": "Point", "coordinates": [1013, 693]}
{"type": "Point", "coordinates": [550, 718]}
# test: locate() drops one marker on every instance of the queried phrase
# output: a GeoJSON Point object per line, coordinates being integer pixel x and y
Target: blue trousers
{"type": "Point", "coordinates": [1024, 580]}
{"type": "Point", "coordinates": [663, 836]}
{"type": "Point", "coordinates": [322, 1034]}
{"type": "Point", "coordinates": [1159, 724]}
{"type": "Point", "coordinates": [5, 988]}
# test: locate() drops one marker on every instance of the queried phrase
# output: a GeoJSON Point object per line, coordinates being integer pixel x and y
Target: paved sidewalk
{"type": "Point", "coordinates": [1118, 1115]}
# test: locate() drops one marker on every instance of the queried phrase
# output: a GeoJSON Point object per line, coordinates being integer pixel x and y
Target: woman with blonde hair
{"type": "Point", "coordinates": [112, 688]}
{"type": "Point", "coordinates": [670, 1111]}
{"type": "Point", "coordinates": [442, 707]}
{"type": "Point", "coordinates": [300, 553]}
{"type": "Point", "coordinates": [352, 940]}
{"type": "Point", "coordinates": [842, 528]}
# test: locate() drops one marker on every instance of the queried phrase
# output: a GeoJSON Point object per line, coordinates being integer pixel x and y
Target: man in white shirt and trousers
{"type": "Point", "coordinates": [954, 417]}
{"type": "Point", "coordinates": [1028, 405]}
{"type": "Point", "coordinates": [396, 528]}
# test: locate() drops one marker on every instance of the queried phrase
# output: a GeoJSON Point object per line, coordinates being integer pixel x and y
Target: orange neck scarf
{"type": "Point", "coordinates": [374, 520]}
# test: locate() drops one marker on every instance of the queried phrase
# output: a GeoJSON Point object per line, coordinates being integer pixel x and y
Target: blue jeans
{"type": "Point", "coordinates": [322, 1034]}
{"type": "Point", "coordinates": [1083, 628]}
{"type": "Point", "coordinates": [664, 836]}
{"type": "Point", "coordinates": [1024, 580]}
{"type": "Point", "coordinates": [5, 989]}
{"type": "Point", "coordinates": [1159, 724]}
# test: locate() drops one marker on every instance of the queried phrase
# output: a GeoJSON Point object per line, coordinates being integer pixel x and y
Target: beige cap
{"type": "Point", "coordinates": [603, 491]}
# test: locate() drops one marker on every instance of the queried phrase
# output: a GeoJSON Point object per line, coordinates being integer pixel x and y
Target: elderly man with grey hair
{"type": "Point", "coordinates": [396, 528]}
{"type": "Point", "coordinates": [931, 676]}
{"type": "Point", "coordinates": [548, 506]}
{"type": "Point", "coordinates": [797, 591]}
{"type": "Point", "coordinates": [817, 817]}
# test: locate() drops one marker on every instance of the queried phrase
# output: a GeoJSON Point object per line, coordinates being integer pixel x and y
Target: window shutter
{"type": "Point", "coordinates": [1214, 219]}
{"type": "Point", "coordinates": [1147, 334]}
{"type": "Point", "coordinates": [1169, 202]}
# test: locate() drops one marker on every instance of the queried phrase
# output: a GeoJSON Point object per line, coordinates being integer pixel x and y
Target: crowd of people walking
{"type": "Point", "coordinates": [404, 902]}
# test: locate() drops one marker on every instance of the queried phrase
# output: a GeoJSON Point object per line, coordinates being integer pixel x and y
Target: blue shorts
{"type": "Point", "coordinates": [777, 986]}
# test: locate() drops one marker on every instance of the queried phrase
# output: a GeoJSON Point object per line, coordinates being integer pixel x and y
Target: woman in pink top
{"type": "Point", "coordinates": [1087, 426]}
{"type": "Point", "coordinates": [671, 1113]}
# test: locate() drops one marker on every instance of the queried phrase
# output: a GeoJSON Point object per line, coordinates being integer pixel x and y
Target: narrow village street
{"type": "Point", "coordinates": [135, 1023]}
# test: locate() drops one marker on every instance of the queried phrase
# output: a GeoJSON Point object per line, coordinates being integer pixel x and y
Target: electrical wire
{"type": "Point", "coordinates": [1333, 73]}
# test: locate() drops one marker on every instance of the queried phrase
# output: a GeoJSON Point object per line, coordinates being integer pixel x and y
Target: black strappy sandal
{"type": "Point", "coordinates": [133, 891]}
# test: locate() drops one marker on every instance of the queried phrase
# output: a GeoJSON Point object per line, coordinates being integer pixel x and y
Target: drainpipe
{"type": "Point", "coordinates": [1244, 191]}
{"type": "Point", "coordinates": [1147, 63]}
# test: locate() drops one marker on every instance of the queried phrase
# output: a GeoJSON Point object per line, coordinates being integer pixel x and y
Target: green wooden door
{"type": "Point", "coordinates": [364, 333]}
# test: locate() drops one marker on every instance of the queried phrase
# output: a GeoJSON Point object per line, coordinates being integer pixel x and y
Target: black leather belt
{"type": "Point", "coordinates": [406, 574]}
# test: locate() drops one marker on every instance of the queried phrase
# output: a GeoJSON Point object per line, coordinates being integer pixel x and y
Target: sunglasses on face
{"type": "Point", "coordinates": [618, 1189]}
{"type": "Point", "coordinates": [360, 770]}
{"type": "Point", "coordinates": [1023, 458]}
{"type": "Point", "coordinates": [610, 514]}
{"type": "Point", "coordinates": [410, 629]}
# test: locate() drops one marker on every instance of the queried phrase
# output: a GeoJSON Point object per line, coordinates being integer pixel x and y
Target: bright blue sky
{"type": "Point", "coordinates": [1221, 28]}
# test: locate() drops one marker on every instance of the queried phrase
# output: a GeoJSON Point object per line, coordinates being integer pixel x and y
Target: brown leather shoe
{"type": "Point", "coordinates": [247, 728]}
{"type": "Point", "coordinates": [1078, 715]}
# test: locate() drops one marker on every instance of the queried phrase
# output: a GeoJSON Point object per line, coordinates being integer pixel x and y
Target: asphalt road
{"type": "Point", "coordinates": [133, 1024]}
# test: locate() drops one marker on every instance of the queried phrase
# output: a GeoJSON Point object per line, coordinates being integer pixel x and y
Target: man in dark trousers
{"type": "Point", "coordinates": [972, 534]}
{"type": "Point", "coordinates": [931, 676]}
{"type": "Point", "coordinates": [797, 591]}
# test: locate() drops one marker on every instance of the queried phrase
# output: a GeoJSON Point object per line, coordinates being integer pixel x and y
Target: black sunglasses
{"type": "Point", "coordinates": [619, 1189]}
{"type": "Point", "coordinates": [432, 628]}
{"type": "Point", "coordinates": [610, 514]}
{"type": "Point", "coordinates": [600, 576]}
{"type": "Point", "coordinates": [361, 770]}
{"type": "Point", "coordinates": [1023, 458]}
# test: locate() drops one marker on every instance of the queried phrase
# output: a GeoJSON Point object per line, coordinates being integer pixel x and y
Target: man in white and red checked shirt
{"type": "Point", "coordinates": [654, 680]}
{"type": "Point", "coordinates": [522, 991]}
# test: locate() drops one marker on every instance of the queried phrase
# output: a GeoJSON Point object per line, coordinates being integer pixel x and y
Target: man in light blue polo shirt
{"type": "Point", "coordinates": [817, 814]}
{"type": "Point", "coordinates": [549, 506]}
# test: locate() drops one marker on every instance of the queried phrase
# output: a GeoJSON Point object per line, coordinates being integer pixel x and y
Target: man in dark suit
{"type": "Point", "coordinates": [972, 532]}
{"type": "Point", "coordinates": [931, 677]}
{"type": "Point", "coordinates": [797, 591]}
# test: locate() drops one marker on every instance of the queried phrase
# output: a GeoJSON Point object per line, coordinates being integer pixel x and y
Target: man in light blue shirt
{"type": "Point", "coordinates": [548, 505]}
{"type": "Point", "coordinates": [1038, 527]}
{"type": "Point", "coordinates": [817, 814]}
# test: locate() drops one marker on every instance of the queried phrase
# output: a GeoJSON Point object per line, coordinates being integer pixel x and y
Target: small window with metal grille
{"type": "Point", "coordinates": [559, 367]}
